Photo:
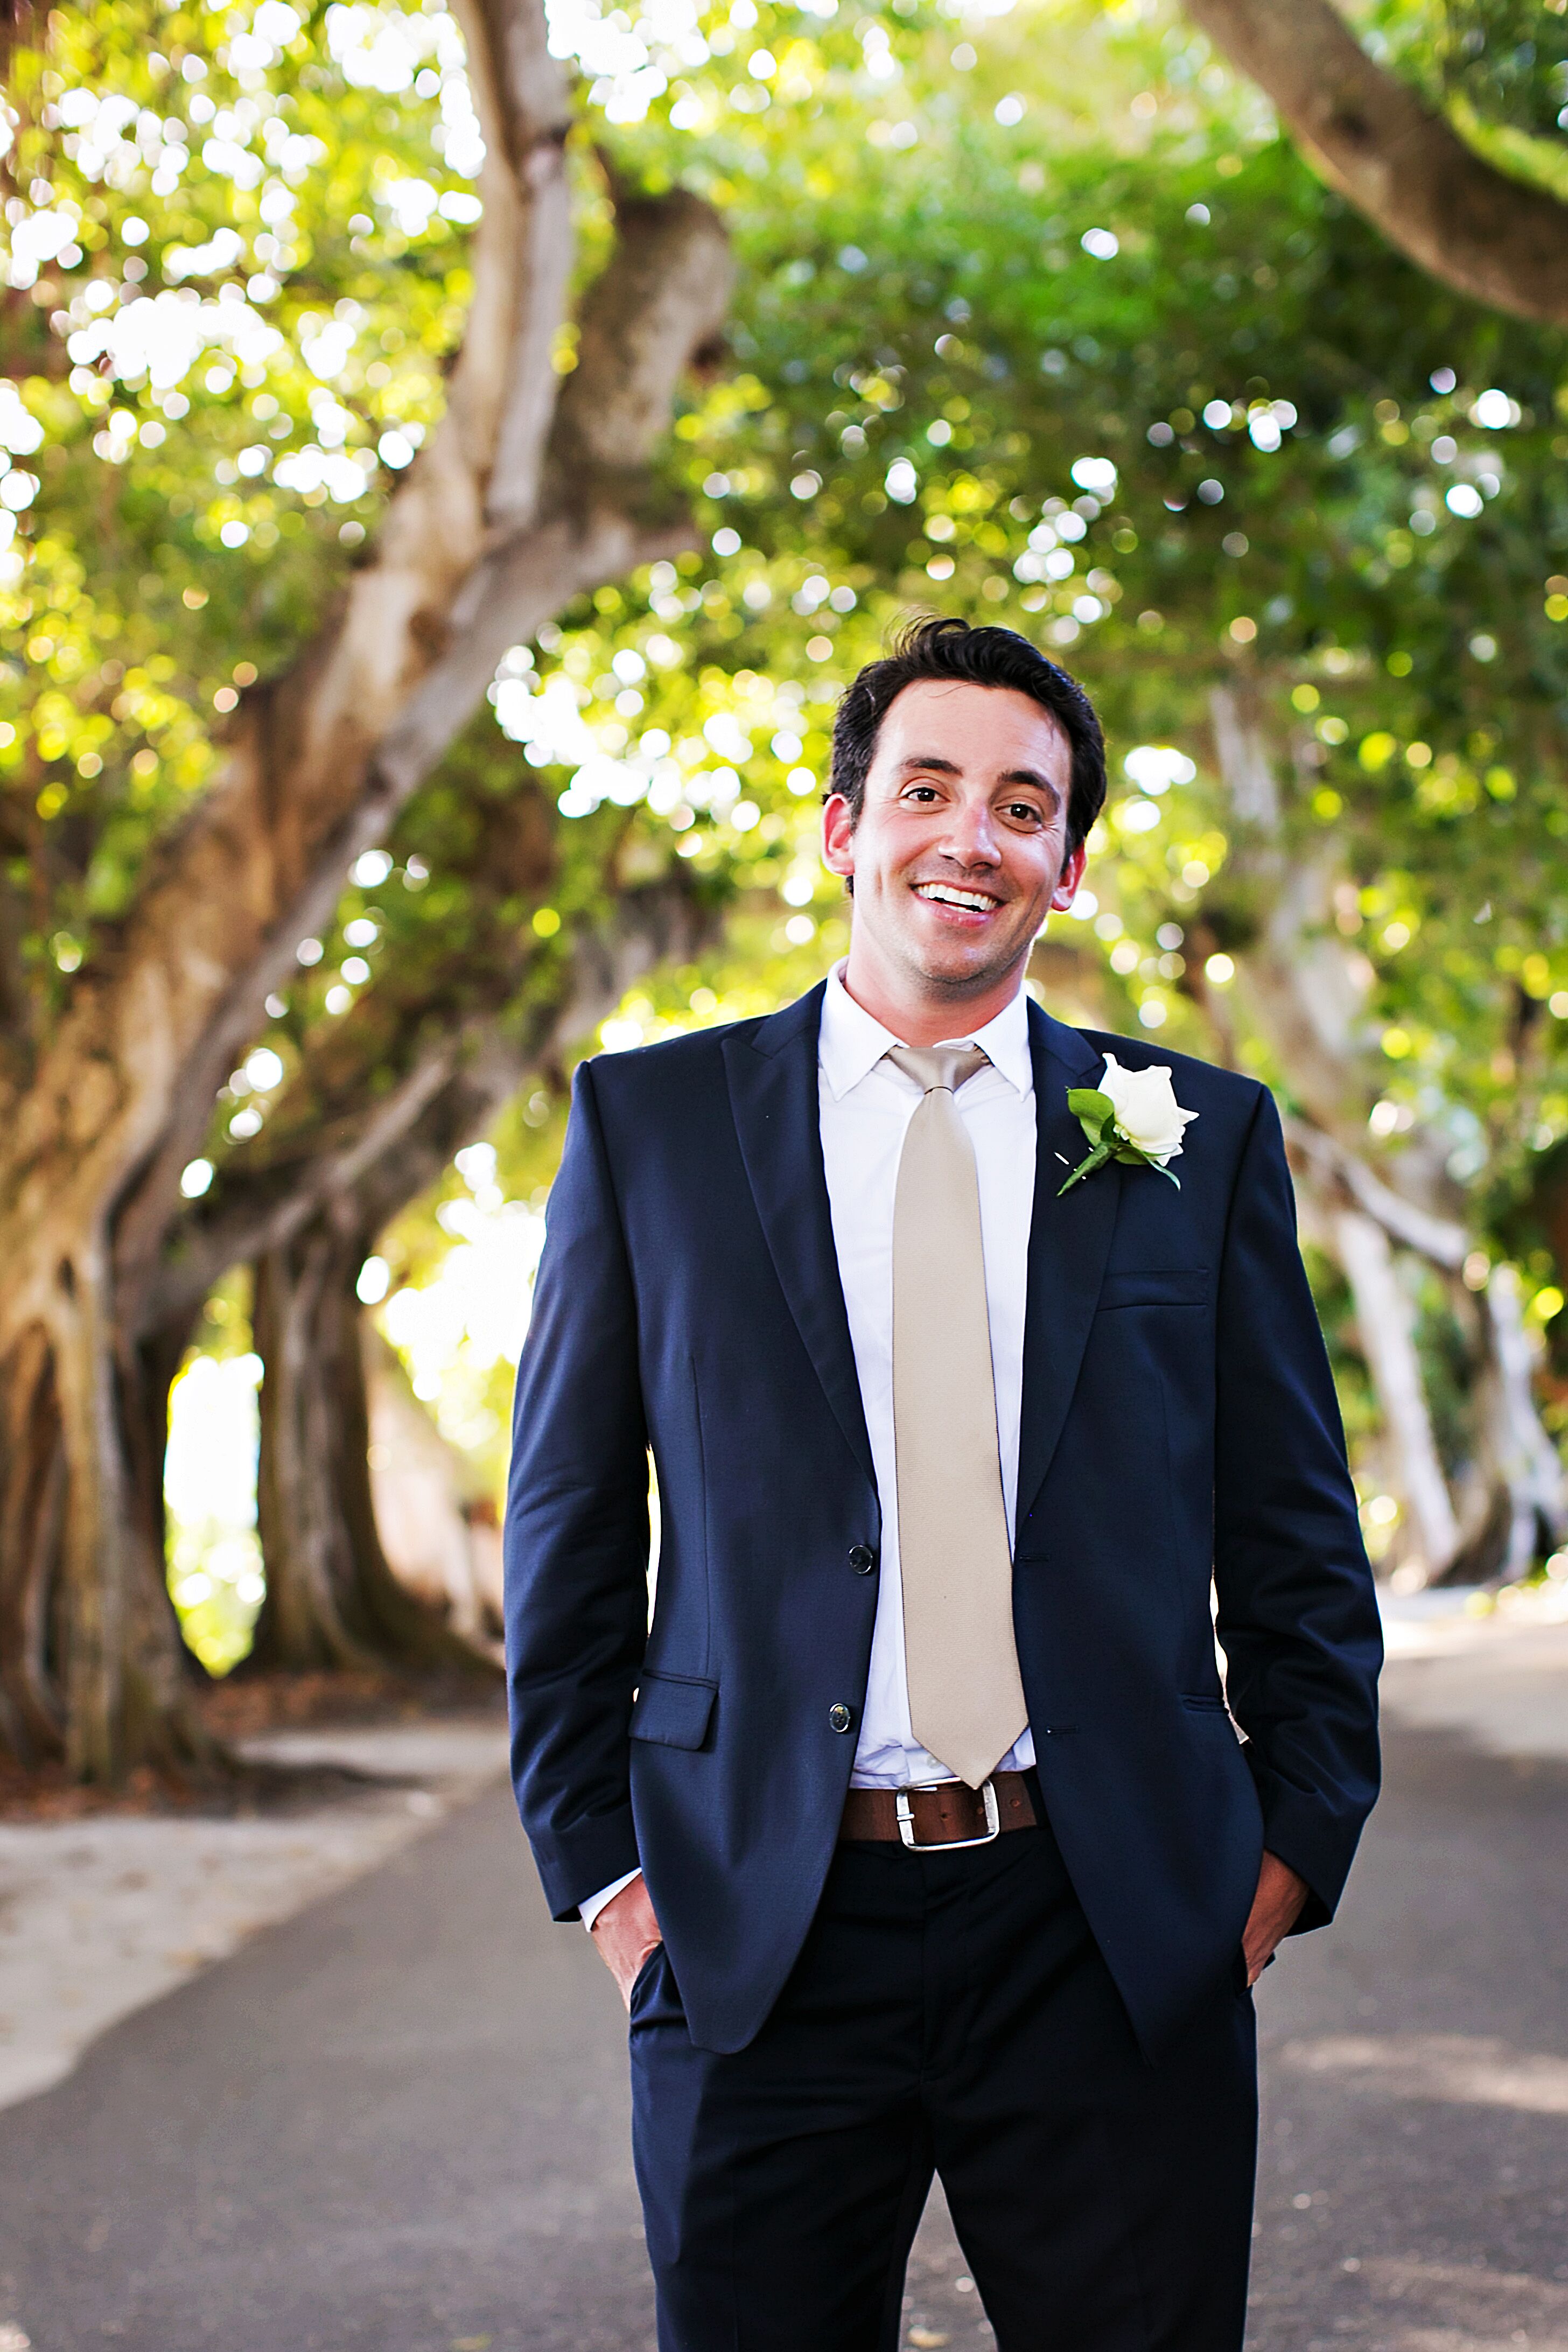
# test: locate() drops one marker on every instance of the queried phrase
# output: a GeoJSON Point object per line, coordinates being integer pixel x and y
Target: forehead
{"type": "Point", "coordinates": [984, 731]}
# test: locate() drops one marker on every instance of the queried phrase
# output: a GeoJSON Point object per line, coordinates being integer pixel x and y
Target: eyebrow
{"type": "Point", "coordinates": [1028, 776]}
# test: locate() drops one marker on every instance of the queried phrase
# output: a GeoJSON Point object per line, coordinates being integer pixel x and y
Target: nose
{"type": "Point", "coordinates": [971, 837]}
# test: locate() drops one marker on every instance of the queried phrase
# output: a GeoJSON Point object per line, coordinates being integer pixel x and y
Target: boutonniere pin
{"type": "Point", "coordinates": [1132, 1116]}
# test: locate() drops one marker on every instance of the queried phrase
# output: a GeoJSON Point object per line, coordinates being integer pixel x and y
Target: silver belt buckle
{"type": "Point", "coordinates": [904, 1814]}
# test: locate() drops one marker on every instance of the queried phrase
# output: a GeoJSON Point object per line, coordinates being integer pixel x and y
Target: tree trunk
{"type": "Point", "coordinates": [1522, 1464]}
{"type": "Point", "coordinates": [91, 1663]}
{"type": "Point", "coordinates": [331, 1599]}
{"type": "Point", "coordinates": [514, 506]}
{"type": "Point", "coordinates": [1387, 1325]}
{"type": "Point", "coordinates": [33, 1485]}
{"type": "Point", "coordinates": [1296, 984]}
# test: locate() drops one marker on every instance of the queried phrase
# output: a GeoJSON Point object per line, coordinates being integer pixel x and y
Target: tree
{"type": "Point", "coordinates": [912, 370]}
{"type": "Point", "coordinates": [1213, 342]}
{"type": "Point", "coordinates": [342, 1160]}
{"type": "Point", "coordinates": [1121, 373]}
{"type": "Point", "coordinates": [532, 486]}
{"type": "Point", "coordinates": [1494, 235]}
{"type": "Point", "coordinates": [1300, 985]}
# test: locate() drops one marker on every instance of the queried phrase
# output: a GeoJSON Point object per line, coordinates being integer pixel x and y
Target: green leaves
{"type": "Point", "coordinates": [924, 349]}
{"type": "Point", "coordinates": [1094, 1110]}
{"type": "Point", "coordinates": [238, 270]}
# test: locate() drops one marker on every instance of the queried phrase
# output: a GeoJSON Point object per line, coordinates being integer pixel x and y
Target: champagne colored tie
{"type": "Point", "coordinates": [966, 1700]}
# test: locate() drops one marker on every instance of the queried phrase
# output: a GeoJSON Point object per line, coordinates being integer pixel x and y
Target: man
{"type": "Point", "coordinates": [916, 1828]}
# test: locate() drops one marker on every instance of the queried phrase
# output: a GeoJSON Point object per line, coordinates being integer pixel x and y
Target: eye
{"type": "Point", "coordinates": [1024, 813]}
{"type": "Point", "coordinates": [920, 792]}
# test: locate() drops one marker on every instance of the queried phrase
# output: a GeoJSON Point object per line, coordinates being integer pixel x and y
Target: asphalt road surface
{"type": "Point", "coordinates": [399, 2122]}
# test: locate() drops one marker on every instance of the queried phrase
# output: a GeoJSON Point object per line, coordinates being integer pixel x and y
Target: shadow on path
{"type": "Point", "coordinates": [1414, 2191]}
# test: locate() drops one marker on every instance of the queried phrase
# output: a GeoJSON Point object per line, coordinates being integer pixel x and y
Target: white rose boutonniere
{"type": "Point", "coordinates": [1132, 1116]}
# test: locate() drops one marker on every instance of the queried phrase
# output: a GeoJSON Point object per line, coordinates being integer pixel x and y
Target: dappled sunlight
{"type": "Point", "coordinates": [460, 1329]}
{"type": "Point", "coordinates": [1435, 2306]}
{"type": "Point", "coordinates": [209, 1492]}
{"type": "Point", "coordinates": [1474, 2070]}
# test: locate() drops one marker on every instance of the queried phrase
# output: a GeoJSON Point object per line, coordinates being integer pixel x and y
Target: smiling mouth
{"type": "Point", "coordinates": [945, 894]}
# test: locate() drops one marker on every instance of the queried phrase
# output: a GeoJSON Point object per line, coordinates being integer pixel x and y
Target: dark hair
{"type": "Point", "coordinates": [949, 648]}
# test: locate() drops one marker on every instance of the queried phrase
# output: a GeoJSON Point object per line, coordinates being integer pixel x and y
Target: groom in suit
{"type": "Point", "coordinates": [917, 1826]}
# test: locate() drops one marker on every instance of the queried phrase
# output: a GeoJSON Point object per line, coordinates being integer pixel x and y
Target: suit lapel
{"type": "Point", "coordinates": [772, 1085]}
{"type": "Point", "coordinates": [1070, 1240]}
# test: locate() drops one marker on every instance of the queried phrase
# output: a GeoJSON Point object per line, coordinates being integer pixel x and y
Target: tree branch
{"type": "Point", "coordinates": [666, 286]}
{"type": "Point", "coordinates": [1441, 1239]}
{"type": "Point", "coordinates": [656, 307]}
{"type": "Point", "coordinates": [267, 1210]}
{"type": "Point", "coordinates": [1386, 1324]}
{"type": "Point", "coordinates": [383, 1150]}
{"type": "Point", "coordinates": [658, 301]}
{"type": "Point", "coordinates": [156, 1016]}
{"type": "Point", "coordinates": [1472, 227]}
{"type": "Point", "coordinates": [1526, 1459]}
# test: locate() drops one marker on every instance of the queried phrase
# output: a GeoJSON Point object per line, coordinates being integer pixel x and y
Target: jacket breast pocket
{"type": "Point", "coordinates": [1175, 1287]}
{"type": "Point", "coordinates": [673, 1710]}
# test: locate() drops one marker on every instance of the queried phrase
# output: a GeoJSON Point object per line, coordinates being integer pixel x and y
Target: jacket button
{"type": "Point", "coordinates": [862, 1558]}
{"type": "Point", "coordinates": [840, 1717]}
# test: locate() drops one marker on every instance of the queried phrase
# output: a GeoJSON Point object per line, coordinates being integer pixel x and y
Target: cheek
{"type": "Point", "coordinates": [885, 854]}
{"type": "Point", "coordinates": [1034, 867]}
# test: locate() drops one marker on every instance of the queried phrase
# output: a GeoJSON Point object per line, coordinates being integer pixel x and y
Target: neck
{"type": "Point", "coordinates": [926, 1016]}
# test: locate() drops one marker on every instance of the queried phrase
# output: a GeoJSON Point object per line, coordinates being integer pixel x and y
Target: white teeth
{"type": "Point", "coordinates": [969, 899]}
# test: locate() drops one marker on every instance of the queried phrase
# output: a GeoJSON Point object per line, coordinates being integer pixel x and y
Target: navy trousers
{"type": "Point", "coordinates": [950, 2012]}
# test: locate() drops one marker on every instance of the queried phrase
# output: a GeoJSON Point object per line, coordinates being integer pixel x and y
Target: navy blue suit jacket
{"type": "Point", "coordinates": [1179, 1424]}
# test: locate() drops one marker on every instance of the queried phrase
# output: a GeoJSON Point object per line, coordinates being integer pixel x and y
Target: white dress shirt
{"type": "Point", "coordinates": [865, 1105]}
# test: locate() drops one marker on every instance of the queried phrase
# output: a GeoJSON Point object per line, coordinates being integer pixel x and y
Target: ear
{"type": "Point", "coordinates": [1069, 879]}
{"type": "Point", "coordinates": [838, 836]}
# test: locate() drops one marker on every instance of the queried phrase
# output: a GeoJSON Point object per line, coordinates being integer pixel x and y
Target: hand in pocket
{"type": "Point", "coordinates": [627, 1931]}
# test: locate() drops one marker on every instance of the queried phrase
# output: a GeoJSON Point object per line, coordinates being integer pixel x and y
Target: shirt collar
{"type": "Point", "coordinates": [851, 1041]}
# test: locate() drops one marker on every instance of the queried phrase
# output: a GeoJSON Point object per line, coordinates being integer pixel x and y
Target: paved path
{"type": "Point", "coordinates": [397, 2121]}
{"type": "Point", "coordinates": [100, 1914]}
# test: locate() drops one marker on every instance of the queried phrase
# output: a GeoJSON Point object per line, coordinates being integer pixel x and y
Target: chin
{"type": "Point", "coordinates": [958, 966]}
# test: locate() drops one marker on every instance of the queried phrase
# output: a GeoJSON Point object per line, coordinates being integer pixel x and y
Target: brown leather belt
{"type": "Point", "coordinates": [947, 1813]}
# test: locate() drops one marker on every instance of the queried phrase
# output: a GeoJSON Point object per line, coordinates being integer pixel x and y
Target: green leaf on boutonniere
{"type": "Point", "coordinates": [1091, 1110]}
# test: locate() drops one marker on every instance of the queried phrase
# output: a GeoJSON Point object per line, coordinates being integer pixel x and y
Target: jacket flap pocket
{"type": "Point", "coordinates": [672, 1711]}
{"type": "Point", "coordinates": [1175, 1287]}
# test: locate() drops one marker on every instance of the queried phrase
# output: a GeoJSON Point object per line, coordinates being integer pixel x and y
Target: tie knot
{"type": "Point", "coordinates": [935, 1067]}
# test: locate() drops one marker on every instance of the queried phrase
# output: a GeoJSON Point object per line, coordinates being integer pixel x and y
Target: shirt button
{"type": "Point", "coordinates": [840, 1717]}
{"type": "Point", "coordinates": [862, 1558]}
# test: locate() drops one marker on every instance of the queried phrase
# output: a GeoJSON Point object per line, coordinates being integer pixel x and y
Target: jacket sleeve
{"type": "Point", "coordinates": [576, 1535]}
{"type": "Point", "coordinates": [1297, 1616]}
